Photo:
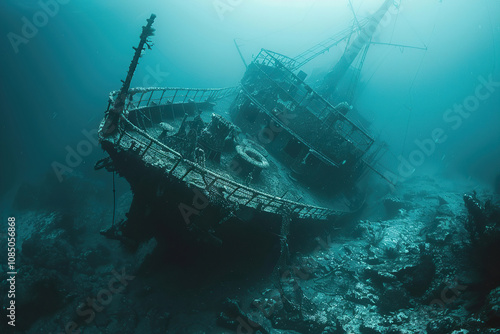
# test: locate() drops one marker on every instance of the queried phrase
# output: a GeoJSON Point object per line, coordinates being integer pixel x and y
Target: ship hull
{"type": "Point", "coordinates": [192, 229]}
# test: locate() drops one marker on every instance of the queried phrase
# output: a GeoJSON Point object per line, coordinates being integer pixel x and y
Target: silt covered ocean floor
{"type": "Point", "coordinates": [420, 259]}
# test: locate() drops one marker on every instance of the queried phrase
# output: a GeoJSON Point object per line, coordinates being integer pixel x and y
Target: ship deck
{"type": "Point", "coordinates": [274, 190]}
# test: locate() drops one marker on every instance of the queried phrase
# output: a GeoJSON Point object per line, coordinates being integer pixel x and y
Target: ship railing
{"type": "Point", "coordinates": [302, 95]}
{"type": "Point", "coordinates": [144, 97]}
{"type": "Point", "coordinates": [158, 154]}
{"type": "Point", "coordinates": [277, 59]}
{"type": "Point", "coordinates": [326, 45]}
{"type": "Point", "coordinates": [282, 124]}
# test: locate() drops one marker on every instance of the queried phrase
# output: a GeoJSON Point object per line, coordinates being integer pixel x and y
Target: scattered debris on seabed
{"type": "Point", "coordinates": [420, 260]}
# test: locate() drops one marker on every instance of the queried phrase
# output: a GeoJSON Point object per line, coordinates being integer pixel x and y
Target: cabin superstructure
{"type": "Point", "coordinates": [305, 132]}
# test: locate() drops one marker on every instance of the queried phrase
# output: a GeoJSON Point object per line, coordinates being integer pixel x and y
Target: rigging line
{"type": "Point", "coordinates": [379, 136]}
{"type": "Point", "coordinates": [382, 165]}
{"type": "Point", "coordinates": [354, 14]}
{"type": "Point", "coordinates": [239, 39]}
{"type": "Point", "coordinates": [239, 52]}
{"type": "Point", "coordinates": [382, 59]}
{"type": "Point", "coordinates": [391, 153]}
{"type": "Point", "coordinates": [357, 75]}
{"type": "Point", "coordinates": [349, 38]}
{"type": "Point", "coordinates": [114, 200]}
{"type": "Point", "coordinates": [309, 10]}
{"type": "Point", "coordinates": [400, 45]}
{"type": "Point", "coordinates": [395, 23]}
{"type": "Point", "coordinates": [410, 97]}
{"type": "Point", "coordinates": [415, 32]}
{"type": "Point", "coordinates": [417, 73]}
{"type": "Point", "coordinates": [494, 45]}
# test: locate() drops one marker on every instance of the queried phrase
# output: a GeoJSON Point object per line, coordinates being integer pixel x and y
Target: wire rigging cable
{"type": "Point", "coordinates": [114, 200]}
{"type": "Point", "coordinates": [410, 90]}
{"type": "Point", "coordinates": [395, 24]}
{"type": "Point", "coordinates": [410, 97]}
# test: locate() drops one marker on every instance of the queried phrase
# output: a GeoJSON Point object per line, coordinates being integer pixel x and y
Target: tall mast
{"type": "Point", "coordinates": [117, 108]}
{"type": "Point", "coordinates": [353, 50]}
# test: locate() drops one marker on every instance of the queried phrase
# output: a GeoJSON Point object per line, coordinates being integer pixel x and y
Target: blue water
{"type": "Point", "coordinates": [433, 97]}
{"type": "Point", "coordinates": [55, 83]}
